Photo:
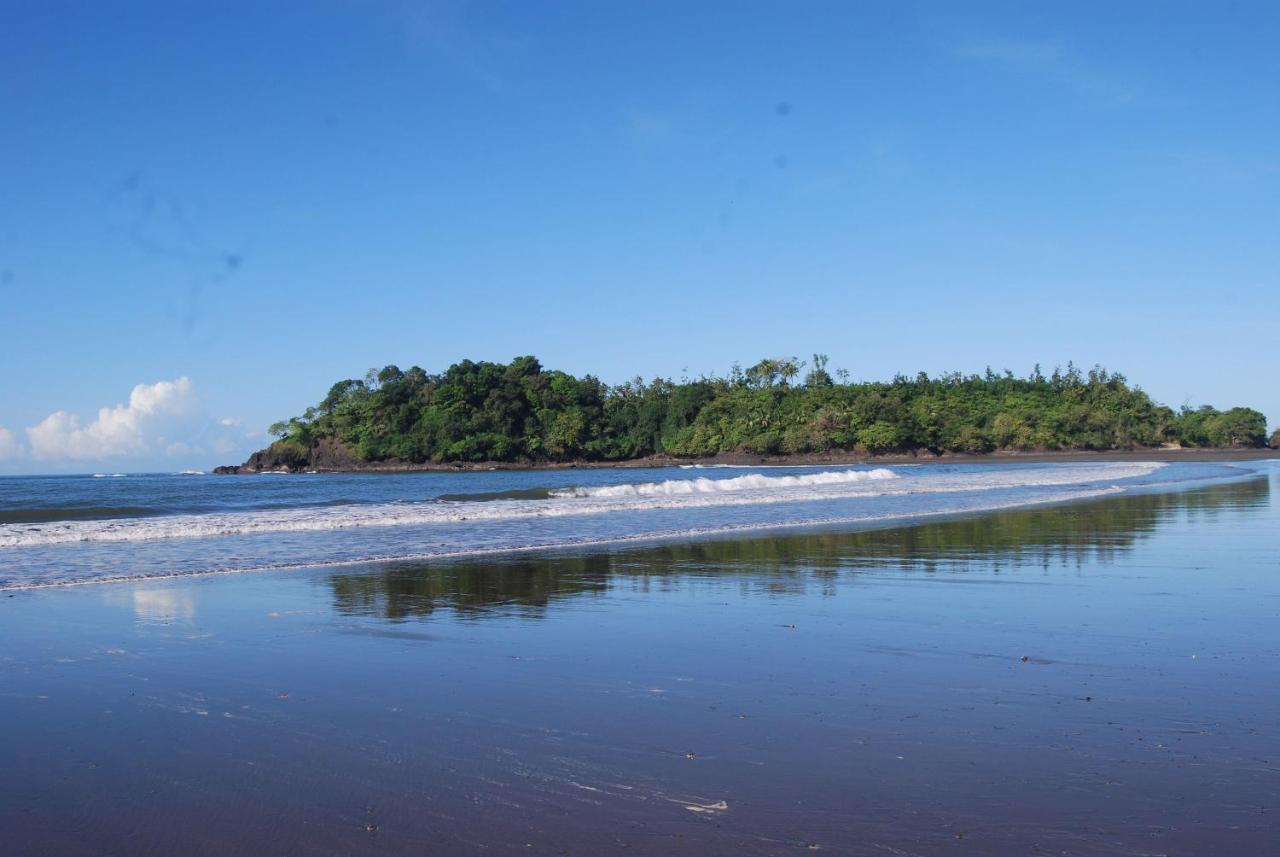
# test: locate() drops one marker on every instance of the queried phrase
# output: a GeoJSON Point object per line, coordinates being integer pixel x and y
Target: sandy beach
{"type": "Point", "coordinates": [1092, 678]}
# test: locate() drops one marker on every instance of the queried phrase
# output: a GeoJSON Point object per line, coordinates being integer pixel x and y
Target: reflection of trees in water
{"type": "Point", "coordinates": [1066, 535]}
{"type": "Point", "coordinates": [772, 565]}
{"type": "Point", "coordinates": [523, 584]}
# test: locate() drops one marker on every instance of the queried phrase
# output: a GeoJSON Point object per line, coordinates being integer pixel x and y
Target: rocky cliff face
{"type": "Point", "coordinates": [326, 454]}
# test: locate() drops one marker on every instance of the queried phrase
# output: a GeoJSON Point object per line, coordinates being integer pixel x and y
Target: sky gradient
{"type": "Point", "coordinates": [211, 212]}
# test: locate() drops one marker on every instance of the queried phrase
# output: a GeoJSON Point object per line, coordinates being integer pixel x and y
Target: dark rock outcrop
{"type": "Point", "coordinates": [326, 454]}
{"type": "Point", "coordinates": [330, 453]}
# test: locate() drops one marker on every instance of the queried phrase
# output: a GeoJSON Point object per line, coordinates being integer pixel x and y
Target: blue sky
{"type": "Point", "coordinates": [264, 198]}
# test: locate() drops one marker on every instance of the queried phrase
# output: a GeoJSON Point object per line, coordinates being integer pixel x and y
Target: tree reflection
{"type": "Point", "coordinates": [1054, 536]}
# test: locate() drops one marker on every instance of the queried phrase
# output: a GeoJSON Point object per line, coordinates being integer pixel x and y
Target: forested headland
{"type": "Point", "coordinates": [522, 412]}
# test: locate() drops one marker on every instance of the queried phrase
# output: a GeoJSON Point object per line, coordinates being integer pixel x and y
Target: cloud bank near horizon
{"type": "Point", "coordinates": [164, 420]}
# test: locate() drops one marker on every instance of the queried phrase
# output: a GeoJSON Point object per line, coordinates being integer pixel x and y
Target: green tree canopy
{"type": "Point", "coordinates": [482, 411]}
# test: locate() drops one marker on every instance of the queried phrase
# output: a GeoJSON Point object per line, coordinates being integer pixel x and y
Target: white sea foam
{"type": "Point", "coordinates": [752, 466]}
{"type": "Point", "coordinates": [651, 536]}
{"type": "Point", "coordinates": [750, 489]}
{"type": "Point", "coordinates": [703, 485]}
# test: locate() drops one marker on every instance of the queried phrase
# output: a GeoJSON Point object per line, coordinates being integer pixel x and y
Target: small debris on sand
{"type": "Point", "coordinates": [704, 808]}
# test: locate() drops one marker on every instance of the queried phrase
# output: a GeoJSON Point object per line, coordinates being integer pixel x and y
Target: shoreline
{"type": "Point", "coordinates": [370, 710]}
{"type": "Point", "coordinates": [802, 460]}
{"type": "Point", "coordinates": [378, 552]}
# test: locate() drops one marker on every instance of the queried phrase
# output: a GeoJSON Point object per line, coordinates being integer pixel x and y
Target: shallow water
{"type": "Point", "coordinates": [1088, 678]}
{"type": "Point", "coordinates": [61, 530]}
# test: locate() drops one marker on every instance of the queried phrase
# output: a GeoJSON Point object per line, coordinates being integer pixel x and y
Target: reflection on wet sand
{"type": "Point", "coordinates": [1093, 679]}
{"type": "Point", "coordinates": [160, 605]}
{"type": "Point", "coordinates": [1067, 536]}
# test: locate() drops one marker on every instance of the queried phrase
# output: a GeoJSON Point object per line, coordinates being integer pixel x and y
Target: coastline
{"type": "Point", "coordinates": [579, 701]}
{"type": "Point", "coordinates": [800, 460]}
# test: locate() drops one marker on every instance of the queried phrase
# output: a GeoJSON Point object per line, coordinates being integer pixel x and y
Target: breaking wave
{"type": "Point", "coordinates": [748, 490]}
{"type": "Point", "coordinates": [703, 485]}
{"type": "Point", "coordinates": [445, 551]}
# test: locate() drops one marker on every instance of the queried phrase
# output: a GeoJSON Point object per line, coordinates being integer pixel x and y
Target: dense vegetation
{"type": "Point", "coordinates": [520, 411]}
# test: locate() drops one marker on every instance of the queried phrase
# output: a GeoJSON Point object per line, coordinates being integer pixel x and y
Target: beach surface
{"type": "Point", "coordinates": [1094, 677]}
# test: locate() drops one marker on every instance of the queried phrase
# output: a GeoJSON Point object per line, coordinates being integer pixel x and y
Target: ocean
{"type": "Point", "coordinates": [58, 530]}
{"type": "Point", "coordinates": [981, 659]}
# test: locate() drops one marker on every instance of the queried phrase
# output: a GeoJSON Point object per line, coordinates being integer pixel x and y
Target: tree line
{"type": "Point", "coordinates": [520, 411]}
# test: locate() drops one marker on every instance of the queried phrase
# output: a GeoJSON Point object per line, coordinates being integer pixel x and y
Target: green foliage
{"type": "Point", "coordinates": [1207, 426]}
{"type": "Point", "coordinates": [519, 411]}
{"type": "Point", "coordinates": [880, 436]}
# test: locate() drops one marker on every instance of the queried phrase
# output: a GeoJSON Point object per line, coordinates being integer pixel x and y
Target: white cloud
{"type": "Point", "coordinates": [164, 419]}
{"type": "Point", "coordinates": [9, 445]}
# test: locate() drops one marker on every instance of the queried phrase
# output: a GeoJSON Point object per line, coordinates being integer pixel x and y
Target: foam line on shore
{"type": "Point", "coordinates": [656, 536]}
{"type": "Point", "coordinates": [753, 489]}
{"type": "Point", "coordinates": [703, 485]}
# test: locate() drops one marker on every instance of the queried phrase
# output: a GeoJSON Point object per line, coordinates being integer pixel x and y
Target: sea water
{"type": "Point", "coordinates": [59, 530]}
{"type": "Point", "coordinates": [1090, 669]}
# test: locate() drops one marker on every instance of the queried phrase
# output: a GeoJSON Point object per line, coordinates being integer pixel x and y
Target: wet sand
{"type": "Point", "coordinates": [1092, 679]}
